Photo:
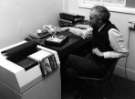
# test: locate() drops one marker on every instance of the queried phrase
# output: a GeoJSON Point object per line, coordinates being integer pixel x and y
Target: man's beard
{"type": "Point", "coordinates": [94, 26]}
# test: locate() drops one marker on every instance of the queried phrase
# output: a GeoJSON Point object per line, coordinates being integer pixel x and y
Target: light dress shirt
{"type": "Point", "coordinates": [117, 43]}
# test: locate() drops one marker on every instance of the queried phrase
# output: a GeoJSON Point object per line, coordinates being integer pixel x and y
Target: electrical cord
{"type": "Point", "coordinates": [126, 74]}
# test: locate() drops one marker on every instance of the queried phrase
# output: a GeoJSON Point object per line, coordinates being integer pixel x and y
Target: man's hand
{"type": "Point", "coordinates": [87, 33]}
{"type": "Point", "coordinates": [97, 52]}
{"type": "Point", "coordinates": [86, 30]}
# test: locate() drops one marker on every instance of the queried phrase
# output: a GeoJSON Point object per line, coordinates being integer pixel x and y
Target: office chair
{"type": "Point", "coordinates": [98, 82]}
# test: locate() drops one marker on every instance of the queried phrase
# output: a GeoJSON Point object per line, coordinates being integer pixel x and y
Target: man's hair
{"type": "Point", "coordinates": [104, 14]}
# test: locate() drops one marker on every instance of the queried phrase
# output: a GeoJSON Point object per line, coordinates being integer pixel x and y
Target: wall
{"type": "Point", "coordinates": [121, 21]}
{"type": "Point", "coordinates": [18, 18]}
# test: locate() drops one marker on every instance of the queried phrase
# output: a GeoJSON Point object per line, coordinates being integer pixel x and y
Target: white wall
{"type": "Point", "coordinates": [18, 18]}
{"type": "Point", "coordinates": [121, 21]}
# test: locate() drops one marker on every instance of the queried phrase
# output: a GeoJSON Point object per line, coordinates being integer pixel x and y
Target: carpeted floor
{"type": "Point", "coordinates": [122, 89]}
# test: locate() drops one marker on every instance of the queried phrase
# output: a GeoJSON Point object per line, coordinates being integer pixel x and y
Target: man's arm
{"type": "Point", "coordinates": [80, 30]}
{"type": "Point", "coordinates": [117, 43]}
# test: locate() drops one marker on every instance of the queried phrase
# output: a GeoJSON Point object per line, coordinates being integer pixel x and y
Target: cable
{"type": "Point", "coordinates": [126, 74]}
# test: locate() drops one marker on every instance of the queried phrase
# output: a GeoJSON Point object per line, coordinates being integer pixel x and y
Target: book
{"type": "Point", "coordinates": [53, 62]}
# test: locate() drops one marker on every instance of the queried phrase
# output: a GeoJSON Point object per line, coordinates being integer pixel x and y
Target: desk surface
{"type": "Point", "coordinates": [73, 44]}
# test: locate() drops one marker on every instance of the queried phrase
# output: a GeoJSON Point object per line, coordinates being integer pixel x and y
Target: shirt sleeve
{"type": "Point", "coordinates": [117, 43]}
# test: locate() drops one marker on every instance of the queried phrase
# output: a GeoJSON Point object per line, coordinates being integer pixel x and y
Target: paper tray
{"type": "Point", "coordinates": [56, 41]}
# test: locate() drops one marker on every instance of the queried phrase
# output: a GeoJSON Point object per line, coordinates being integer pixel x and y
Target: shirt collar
{"type": "Point", "coordinates": [101, 27]}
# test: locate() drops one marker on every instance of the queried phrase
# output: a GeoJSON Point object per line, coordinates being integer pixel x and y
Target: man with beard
{"type": "Point", "coordinates": [107, 46]}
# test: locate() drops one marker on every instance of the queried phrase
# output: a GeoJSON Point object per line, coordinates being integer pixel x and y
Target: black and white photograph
{"type": "Point", "coordinates": [67, 49]}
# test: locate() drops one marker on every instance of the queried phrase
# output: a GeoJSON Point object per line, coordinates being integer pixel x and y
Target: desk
{"type": "Point", "coordinates": [74, 45]}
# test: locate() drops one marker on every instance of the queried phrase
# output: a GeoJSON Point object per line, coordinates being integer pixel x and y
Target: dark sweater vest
{"type": "Point", "coordinates": [101, 41]}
